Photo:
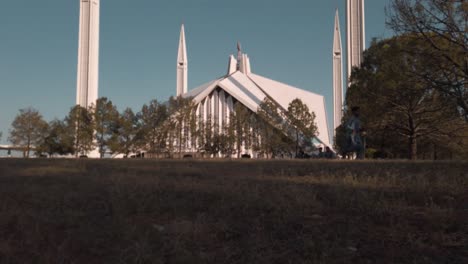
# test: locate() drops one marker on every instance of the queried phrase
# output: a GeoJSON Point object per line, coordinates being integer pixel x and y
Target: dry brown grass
{"type": "Point", "coordinates": [148, 211]}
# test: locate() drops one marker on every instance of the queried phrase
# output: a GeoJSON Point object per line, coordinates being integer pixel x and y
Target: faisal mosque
{"type": "Point", "coordinates": [217, 98]}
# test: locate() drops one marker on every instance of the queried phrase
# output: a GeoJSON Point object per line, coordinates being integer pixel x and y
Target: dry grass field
{"type": "Point", "coordinates": [149, 211]}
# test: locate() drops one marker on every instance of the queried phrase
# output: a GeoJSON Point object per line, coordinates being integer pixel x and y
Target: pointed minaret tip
{"type": "Point", "coordinates": [337, 48]}
{"type": "Point", "coordinates": [182, 63]}
{"type": "Point", "coordinates": [182, 54]}
{"type": "Point", "coordinates": [337, 17]}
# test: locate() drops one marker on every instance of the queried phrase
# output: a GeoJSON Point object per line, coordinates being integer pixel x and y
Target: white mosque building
{"type": "Point", "coordinates": [216, 99]}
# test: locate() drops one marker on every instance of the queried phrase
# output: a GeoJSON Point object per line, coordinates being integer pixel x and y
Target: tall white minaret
{"type": "Point", "coordinates": [182, 63]}
{"type": "Point", "coordinates": [355, 23]}
{"type": "Point", "coordinates": [88, 54]}
{"type": "Point", "coordinates": [337, 74]}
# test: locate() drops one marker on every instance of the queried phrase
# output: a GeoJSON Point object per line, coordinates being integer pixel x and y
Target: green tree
{"type": "Point", "coordinates": [58, 140]}
{"type": "Point", "coordinates": [126, 138]}
{"type": "Point", "coordinates": [227, 140]}
{"type": "Point", "coordinates": [105, 118]}
{"type": "Point", "coordinates": [193, 129]}
{"type": "Point", "coordinates": [214, 145]}
{"type": "Point", "coordinates": [442, 26]}
{"type": "Point", "coordinates": [28, 130]}
{"type": "Point", "coordinates": [207, 137]}
{"type": "Point", "coordinates": [270, 128]}
{"type": "Point", "coordinates": [397, 106]}
{"type": "Point", "coordinates": [240, 119]}
{"type": "Point", "coordinates": [340, 142]}
{"type": "Point", "coordinates": [153, 118]}
{"type": "Point", "coordinates": [181, 113]}
{"type": "Point", "coordinates": [302, 121]}
{"type": "Point", "coordinates": [80, 124]}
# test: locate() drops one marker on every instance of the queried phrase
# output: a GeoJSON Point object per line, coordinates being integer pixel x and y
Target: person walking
{"type": "Point", "coordinates": [354, 131]}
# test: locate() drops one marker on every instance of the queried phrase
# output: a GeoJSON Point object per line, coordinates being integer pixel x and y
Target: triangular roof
{"type": "Point", "coordinates": [252, 89]}
{"type": "Point", "coordinates": [238, 85]}
{"type": "Point", "coordinates": [284, 94]}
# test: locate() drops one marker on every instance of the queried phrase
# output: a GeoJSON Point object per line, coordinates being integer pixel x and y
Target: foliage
{"type": "Point", "coordinates": [105, 119]}
{"type": "Point", "coordinates": [153, 117]}
{"type": "Point", "coordinates": [340, 140]}
{"type": "Point", "coordinates": [442, 26]}
{"type": "Point", "coordinates": [207, 137]}
{"type": "Point", "coordinates": [80, 124]}
{"type": "Point", "coordinates": [126, 138]}
{"type": "Point", "coordinates": [240, 120]}
{"type": "Point", "coordinates": [181, 117]}
{"type": "Point", "coordinates": [302, 121]}
{"type": "Point", "coordinates": [58, 140]}
{"type": "Point", "coordinates": [174, 126]}
{"type": "Point", "coordinates": [274, 141]}
{"type": "Point", "coordinates": [227, 142]}
{"type": "Point", "coordinates": [397, 107]}
{"type": "Point", "coordinates": [28, 130]}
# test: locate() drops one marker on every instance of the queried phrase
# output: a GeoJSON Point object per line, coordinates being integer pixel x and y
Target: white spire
{"type": "Point", "coordinates": [232, 67]}
{"type": "Point", "coordinates": [182, 64]}
{"type": "Point", "coordinates": [88, 54]}
{"type": "Point", "coordinates": [247, 63]}
{"type": "Point", "coordinates": [243, 61]}
{"type": "Point", "coordinates": [244, 65]}
{"type": "Point", "coordinates": [355, 22]}
{"type": "Point", "coordinates": [88, 59]}
{"type": "Point", "coordinates": [337, 74]}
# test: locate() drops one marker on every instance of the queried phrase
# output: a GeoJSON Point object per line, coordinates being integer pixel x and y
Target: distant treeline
{"type": "Point", "coordinates": [166, 129]}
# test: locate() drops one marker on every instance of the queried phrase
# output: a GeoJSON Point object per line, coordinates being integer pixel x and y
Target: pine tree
{"type": "Point", "coordinates": [126, 138]}
{"type": "Point", "coordinates": [28, 130]}
{"type": "Point", "coordinates": [80, 124]}
{"type": "Point", "coordinates": [302, 121]}
{"type": "Point", "coordinates": [153, 117]}
{"type": "Point", "coordinates": [105, 118]}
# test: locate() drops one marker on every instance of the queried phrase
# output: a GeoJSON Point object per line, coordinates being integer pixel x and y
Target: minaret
{"type": "Point", "coordinates": [88, 54]}
{"type": "Point", "coordinates": [243, 61]}
{"type": "Point", "coordinates": [244, 65]}
{"type": "Point", "coordinates": [232, 65]}
{"type": "Point", "coordinates": [355, 23]}
{"type": "Point", "coordinates": [248, 68]}
{"type": "Point", "coordinates": [182, 63]}
{"type": "Point", "coordinates": [337, 75]}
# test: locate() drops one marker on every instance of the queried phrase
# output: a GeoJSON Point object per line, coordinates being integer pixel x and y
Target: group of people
{"type": "Point", "coordinates": [317, 154]}
{"type": "Point", "coordinates": [327, 154]}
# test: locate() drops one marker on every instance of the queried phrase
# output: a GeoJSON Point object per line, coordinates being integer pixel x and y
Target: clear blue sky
{"type": "Point", "coordinates": [288, 41]}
